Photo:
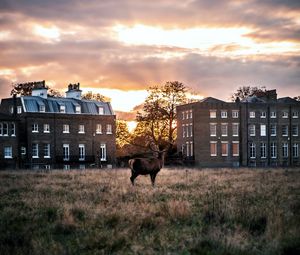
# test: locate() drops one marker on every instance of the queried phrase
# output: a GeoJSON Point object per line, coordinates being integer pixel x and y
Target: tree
{"type": "Point", "coordinates": [297, 98]}
{"type": "Point", "coordinates": [157, 121]}
{"type": "Point", "coordinates": [246, 91]}
{"type": "Point", "coordinates": [122, 133]}
{"type": "Point", "coordinates": [25, 89]}
{"type": "Point", "coordinates": [98, 97]}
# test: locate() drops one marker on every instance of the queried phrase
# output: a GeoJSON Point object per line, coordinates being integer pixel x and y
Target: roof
{"type": "Point", "coordinates": [211, 100]}
{"type": "Point", "coordinates": [286, 100]}
{"type": "Point", "coordinates": [253, 99]}
{"type": "Point", "coordinates": [52, 105]}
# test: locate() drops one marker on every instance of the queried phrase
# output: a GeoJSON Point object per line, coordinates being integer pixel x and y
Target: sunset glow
{"type": "Point", "coordinates": [120, 48]}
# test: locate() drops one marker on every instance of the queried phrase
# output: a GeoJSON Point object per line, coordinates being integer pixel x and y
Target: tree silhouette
{"type": "Point", "coordinates": [246, 91]}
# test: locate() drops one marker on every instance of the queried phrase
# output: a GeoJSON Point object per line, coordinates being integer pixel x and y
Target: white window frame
{"type": "Point", "coordinates": [295, 114]}
{"type": "Point", "coordinates": [235, 114]}
{"type": "Point", "coordinates": [238, 148]}
{"type": "Point", "coordinates": [77, 109]}
{"type": "Point", "coordinates": [273, 147]}
{"type": "Point", "coordinates": [5, 129]}
{"type": "Point", "coordinates": [295, 150]}
{"type": "Point", "coordinates": [19, 109]}
{"type": "Point", "coordinates": [235, 129]}
{"type": "Point", "coordinates": [8, 152]}
{"type": "Point", "coordinates": [285, 114]}
{"type": "Point", "coordinates": [224, 154]}
{"type": "Point", "coordinates": [187, 114]}
{"type": "Point", "coordinates": [191, 114]}
{"type": "Point", "coordinates": [273, 127]}
{"type": "Point", "coordinates": [252, 128]}
{"type": "Point", "coordinates": [191, 129]}
{"type": "Point", "coordinates": [46, 128]}
{"type": "Point", "coordinates": [224, 114]}
{"type": "Point", "coordinates": [183, 115]}
{"type": "Point", "coordinates": [263, 150]}
{"type": "Point", "coordinates": [103, 152]}
{"type": "Point", "coordinates": [263, 114]}
{"type": "Point", "coordinates": [273, 115]}
{"type": "Point", "coordinates": [187, 149]}
{"type": "Point", "coordinates": [296, 129]}
{"type": "Point", "coordinates": [42, 108]}
{"type": "Point", "coordinates": [66, 152]}
{"type": "Point", "coordinates": [216, 148]}
{"type": "Point", "coordinates": [191, 149]}
{"type": "Point", "coordinates": [99, 129]}
{"type": "Point", "coordinates": [252, 150]}
{"type": "Point", "coordinates": [285, 130]}
{"type": "Point", "coordinates": [35, 150]}
{"type": "Point", "coordinates": [35, 128]}
{"type": "Point", "coordinates": [47, 150]}
{"type": "Point", "coordinates": [213, 129]}
{"type": "Point", "coordinates": [109, 129]}
{"type": "Point", "coordinates": [213, 114]}
{"type": "Point", "coordinates": [183, 131]}
{"type": "Point", "coordinates": [81, 129]}
{"type": "Point", "coordinates": [285, 150]}
{"type": "Point", "coordinates": [62, 109]}
{"type": "Point", "coordinates": [81, 148]}
{"type": "Point", "coordinates": [263, 130]}
{"type": "Point", "coordinates": [11, 109]}
{"type": "Point", "coordinates": [252, 114]}
{"type": "Point", "coordinates": [100, 110]}
{"type": "Point", "coordinates": [1, 129]}
{"type": "Point", "coordinates": [13, 129]}
{"type": "Point", "coordinates": [23, 150]}
{"type": "Point", "coordinates": [66, 128]}
{"type": "Point", "coordinates": [224, 134]}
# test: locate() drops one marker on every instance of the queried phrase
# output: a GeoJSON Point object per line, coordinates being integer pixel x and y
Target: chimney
{"type": "Point", "coordinates": [74, 91]}
{"type": "Point", "coordinates": [271, 94]}
{"type": "Point", "coordinates": [39, 89]}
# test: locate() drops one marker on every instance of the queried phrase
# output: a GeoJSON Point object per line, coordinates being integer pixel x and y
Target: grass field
{"type": "Point", "coordinates": [224, 211]}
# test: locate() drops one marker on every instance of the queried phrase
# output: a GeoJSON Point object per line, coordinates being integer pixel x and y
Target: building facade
{"type": "Point", "coordinates": [258, 131]}
{"type": "Point", "coordinates": [55, 132]}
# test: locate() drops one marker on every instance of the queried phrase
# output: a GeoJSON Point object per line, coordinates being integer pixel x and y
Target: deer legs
{"type": "Point", "coordinates": [152, 176]}
{"type": "Point", "coordinates": [134, 175]}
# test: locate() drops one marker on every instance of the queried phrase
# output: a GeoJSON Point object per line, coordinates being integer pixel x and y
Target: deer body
{"type": "Point", "coordinates": [144, 166]}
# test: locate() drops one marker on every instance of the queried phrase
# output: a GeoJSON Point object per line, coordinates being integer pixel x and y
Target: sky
{"type": "Point", "coordinates": [121, 47]}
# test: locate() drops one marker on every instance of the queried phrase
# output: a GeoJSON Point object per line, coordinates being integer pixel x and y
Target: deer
{"type": "Point", "coordinates": [145, 166]}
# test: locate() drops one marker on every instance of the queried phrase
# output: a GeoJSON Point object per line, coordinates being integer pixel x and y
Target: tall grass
{"type": "Point", "coordinates": [224, 211]}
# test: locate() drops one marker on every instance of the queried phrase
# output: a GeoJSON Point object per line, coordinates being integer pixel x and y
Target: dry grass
{"type": "Point", "coordinates": [224, 211]}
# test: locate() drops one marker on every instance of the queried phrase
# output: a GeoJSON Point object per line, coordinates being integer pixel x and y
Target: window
{"type": "Point", "coordinates": [108, 129]}
{"type": "Point", "coordinates": [213, 114]}
{"type": "Point", "coordinates": [224, 129]}
{"type": "Point", "coordinates": [81, 151]}
{"type": "Point", "coordinates": [295, 115]}
{"type": "Point", "coordinates": [285, 130]}
{"type": "Point", "coordinates": [1, 129]}
{"type": "Point", "coordinates": [273, 129]}
{"type": "Point", "coordinates": [223, 114]}
{"type": "Point", "coordinates": [252, 130]}
{"type": "Point", "coordinates": [98, 129]}
{"type": "Point", "coordinates": [11, 109]}
{"type": "Point", "coordinates": [273, 114]}
{"type": "Point", "coordinates": [35, 150]}
{"type": "Point", "coordinates": [213, 148]}
{"type": "Point", "coordinates": [187, 130]}
{"type": "Point", "coordinates": [191, 149]}
{"type": "Point", "coordinates": [213, 129]}
{"type": "Point", "coordinates": [294, 130]}
{"type": "Point", "coordinates": [235, 129]}
{"type": "Point", "coordinates": [13, 129]}
{"type": "Point", "coordinates": [42, 108]}
{"type": "Point", "coordinates": [35, 128]}
{"type": "Point", "coordinates": [7, 152]}
{"type": "Point", "coordinates": [183, 114]}
{"type": "Point", "coordinates": [19, 109]}
{"type": "Point", "coordinates": [295, 150]}
{"type": "Point", "coordinates": [252, 114]}
{"type": "Point", "coordinates": [285, 151]}
{"type": "Point", "coordinates": [100, 110]}
{"type": "Point", "coordinates": [103, 152]}
{"type": "Point", "coordinates": [62, 108]}
{"type": "Point", "coordinates": [273, 150]}
{"type": "Point", "coordinates": [191, 114]}
{"type": "Point", "coordinates": [77, 109]}
{"type": "Point", "coordinates": [66, 152]}
{"type": "Point", "coordinates": [187, 114]}
{"type": "Point", "coordinates": [224, 148]}
{"type": "Point", "coordinates": [23, 150]}
{"type": "Point", "coordinates": [263, 150]}
{"type": "Point", "coordinates": [81, 129]}
{"type": "Point", "coordinates": [263, 114]}
{"type": "Point", "coordinates": [66, 128]}
{"type": "Point", "coordinates": [263, 130]}
{"type": "Point", "coordinates": [235, 148]}
{"type": "Point", "coordinates": [5, 129]}
{"type": "Point", "coordinates": [47, 150]}
{"type": "Point", "coordinates": [46, 128]}
{"type": "Point", "coordinates": [183, 130]}
{"type": "Point", "coordinates": [235, 114]}
{"type": "Point", "coordinates": [66, 167]}
{"type": "Point", "coordinates": [252, 150]}
{"type": "Point", "coordinates": [191, 129]}
{"type": "Point", "coordinates": [187, 149]}
{"type": "Point", "coordinates": [285, 114]}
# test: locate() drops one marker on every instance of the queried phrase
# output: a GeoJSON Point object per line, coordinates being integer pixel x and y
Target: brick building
{"type": "Point", "coordinates": [258, 131]}
{"type": "Point", "coordinates": [56, 132]}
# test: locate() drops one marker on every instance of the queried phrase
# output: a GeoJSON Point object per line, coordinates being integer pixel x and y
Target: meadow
{"type": "Point", "coordinates": [189, 211]}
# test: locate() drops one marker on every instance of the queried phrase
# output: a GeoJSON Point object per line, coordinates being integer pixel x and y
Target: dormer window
{"type": "Point", "coordinates": [11, 109]}
{"type": "Point", "coordinates": [78, 109]}
{"type": "Point", "coordinates": [62, 109]}
{"type": "Point", "coordinates": [19, 109]}
{"type": "Point", "coordinates": [100, 110]}
{"type": "Point", "coordinates": [42, 108]}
